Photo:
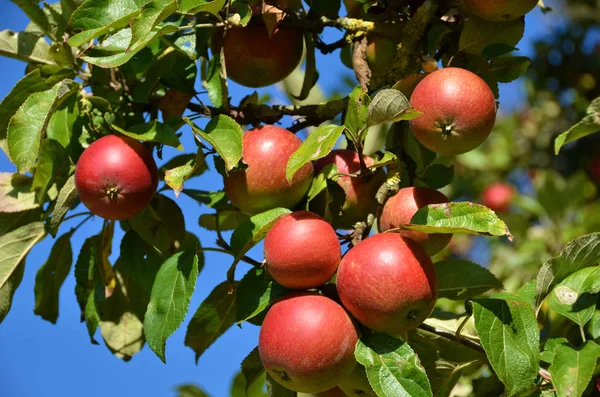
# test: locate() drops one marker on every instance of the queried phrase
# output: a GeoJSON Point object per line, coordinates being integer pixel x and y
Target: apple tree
{"type": "Point", "coordinates": [367, 286]}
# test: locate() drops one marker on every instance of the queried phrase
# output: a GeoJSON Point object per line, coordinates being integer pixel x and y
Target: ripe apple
{"type": "Point", "coordinates": [116, 177]}
{"type": "Point", "coordinates": [498, 196]}
{"type": "Point", "coordinates": [500, 11]}
{"type": "Point", "coordinates": [360, 191]}
{"type": "Point", "coordinates": [306, 343]}
{"type": "Point", "coordinates": [357, 384]}
{"type": "Point", "coordinates": [400, 208]}
{"type": "Point", "coordinates": [253, 59]}
{"type": "Point", "coordinates": [459, 111]}
{"type": "Point", "coordinates": [263, 185]}
{"type": "Point", "coordinates": [302, 251]}
{"type": "Point", "coordinates": [388, 283]}
{"type": "Point", "coordinates": [381, 52]}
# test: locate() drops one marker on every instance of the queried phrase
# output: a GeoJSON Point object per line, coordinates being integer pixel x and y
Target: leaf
{"type": "Point", "coordinates": [28, 124]}
{"type": "Point", "coordinates": [509, 334]}
{"type": "Point", "coordinates": [170, 299]}
{"type": "Point", "coordinates": [152, 14]}
{"type": "Point", "coordinates": [15, 246]}
{"type": "Point", "coordinates": [7, 291]}
{"type": "Point", "coordinates": [252, 368]}
{"type": "Point", "coordinates": [52, 169]}
{"type": "Point", "coordinates": [274, 389]}
{"type": "Point", "coordinates": [99, 17]}
{"type": "Point", "coordinates": [153, 131]}
{"type": "Point", "coordinates": [92, 318]}
{"type": "Point", "coordinates": [216, 199]}
{"type": "Point", "coordinates": [175, 177]}
{"type": "Point", "coordinates": [393, 368]}
{"type": "Point", "coordinates": [225, 136]}
{"type": "Point", "coordinates": [86, 271]}
{"type": "Point", "coordinates": [588, 125]}
{"type": "Point", "coordinates": [25, 46]}
{"type": "Point", "coordinates": [508, 68]}
{"type": "Point", "coordinates": [216, 83]}
{"type": "Point", "coordinates": [478, 34]}
{"type": "Point", "coordinates": [228, 220]}
{"type": "Point", "coordinates": [496, 50]}
{"type": "Point", "coordinates": [550, 349]}
{"type": "Point", "coordinates": [438, 175]}
{"type": "Point", "coordinates": [318, 145]}
{"type": "Point", "coordinates": [66, 197]}
{"type": "Point", "coordinates": [62, 54]}
{"type": "Point", "coordinates": [50, 277]}
{"type": "Point", "coordinates": [256, 292]}
{"type": "Point", "coordinates": [14, 220]}
{"type": "Point", "coordinates": [106, 272]}
{"type": "Point", "coordinates": [458, 217]}
{"type": "Point", "coordinates": [356, 112]}
{"type": "Point", "coordinates": [139, 261]}
{"type": "Point", "coordinates": [311, 74]}
{"type": "Point", "coordinates": [35, 13]}
{"type": "Point", "coordinates": [15, 193]}
{"type": "Point", "coordinates": [190, 391]}
{"type": "Point", "coordinates": [578, 254]}
{"type": "Point", "coordinates": [460, 279]}
{"type": "Point", "coordinates": [389, 106]}
{"type": "Point", "coordinates": [195, 6]}
{"type": "Point", "coordinates": [575, 296]}
{"type": "Point", "coordinates": [572, 369]}
{"type": "Point", "coordinates": [214, 316]}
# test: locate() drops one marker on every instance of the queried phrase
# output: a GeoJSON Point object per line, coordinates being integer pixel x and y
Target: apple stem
{"type": "Point", "coordinates": [112, 193]}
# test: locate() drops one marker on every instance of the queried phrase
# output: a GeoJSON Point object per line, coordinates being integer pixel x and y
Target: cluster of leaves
{"type": "Point", "coordinates": [104, 72]}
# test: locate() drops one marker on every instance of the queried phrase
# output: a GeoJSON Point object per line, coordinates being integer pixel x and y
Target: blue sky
{"type": "Point", "coordinates": [41, 359]}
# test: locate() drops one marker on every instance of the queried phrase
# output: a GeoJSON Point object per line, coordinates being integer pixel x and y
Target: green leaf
{"type": "Point", "coordinates": [216, 199]}
{"type": "Point", "coordinates": [28, 124]}
{"type": "Point", "coordinates": [228, 220]}
{"type": "Point", "coordinates": [139, 260]}
{"type": "Point", "coordinates": [328, 8]}
{"type": "Point", "coordinates": [311, 74]}
{"type": "Point", "coordinates": [508, 68]}
{"type": "Point", "coordinates": [256, 292]}
{"type": "Point", "coordinates": [393, 368]}
{"type": "Point", "coordinates": [575, 296]}
{"type": "Point", "coordinates": [572, 369]}
{"type": "Point", "coordinates": [215, 315]}
{"type": "Point", "coordinates": [436, 35]}
{"type": "Point", "coordinates": [32, 82]}
{"type": "Point", "coordinates": [7, 291]}
{"type": "Point", "coordinates": [389, 106]}
{"type": "Point", "coordinates": [153, 131]}
{"type": "Point", "coordinates": [496, 50]}
{"type": "Point", "coordinates": [66, 197]}
{"type": "Point", "coordinates": [25, 46]}
{"type": "Point", "coordinates": [175, 177]}
{"type": "Point", "coordinates": [50, 278]}
{"type": "Point", "coordinates": [35, 13]}
{"type": "Point", "coordinates": [92, 317]}
{"type": "Point", "coordinates": [16, 194]}
{"type": "Point", "coordinates": [252, 368]}
{"type": "Point", "coordinates": [216, 83]}
{"type": "Point", "coordinates": [318, 145]}
{"type": "Point", "coordinates": [195, 6]}
{"type": "Point", "coordinates": [509, 334]}
{"type": "Point", "coordinates": [578, 254]}
{"type": "Point", "coordinates": [152, 14]}
{"type": "Point", "coordinates": [225, 136]}
{"type": "Point", "coordinates": [274, 389]}
{"type": "Point", "coordinates": [86, 271]}
{"type": "Point", "coordinates": [62, 54]}
{"type": "Point", "coordinates": [460, 279]}
{"type": "Point", "coordinates": [458, 217]}
{"type": "Point", "coordinates": [170, 299]}
{"type": "Point", "coordinates": [52, 170]}
{"type": "Point", "coordinates": [15, 246]}
{"type": "Point", "coordinates": [99, 17]}
{"type": "Point", "coordinates": [438, 175]}
{"type": "Point", "coordinates": [14, 220]}
{"type": "Point", "coordinates": [588, 125]}
{"type": "Point", "coordinates": [550, 349]}
{"type": "Point", "coordinates": [356, 112]}
{"type": "Point", "coordinates": [478, 34]}
{"type": "Point", "coordinates": [190, 391]}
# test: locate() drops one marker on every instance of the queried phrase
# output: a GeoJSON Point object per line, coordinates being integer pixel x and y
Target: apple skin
{"type": "Point", "coordinates": [459, 111]}
{"type": "Point", "coordinates": [116, 177]}
{"type": "Point", "coordinates": [302, 251]}
{"type": "Point", "coordinates": [400, 208]}
{"type": "Point", "coordinates": [357, 384]}
{"type": "Point", "coordinates": [498, 196]}
{"type": "Point", "coordinates": [253, 59]}
{"type": "Point", "coordinates": [335, 392]}
{"type": "Point", "coordinates": [360, 193]}
{"type": "Point", "coordinates": [381, 52]}
{"type": "Point", "coordinates": [263, 185]}
{"type": "Point", "coordinates": [388, 283]}
{"type": "Point", "coordinates": [307, 342]}
{"type": "Point", "coordinates": [500, 11]}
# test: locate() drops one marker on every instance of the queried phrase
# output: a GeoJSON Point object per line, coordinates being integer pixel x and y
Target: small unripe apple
{"type": "Point", "coordinates": [500, 10]}
{"type": "Point", "coordinates": [302, 251]}
{"type": "Point", "coordinates": [498, 196]}
{"type": "Point", "coordinates": [360, 191]}
{"type": "Point", "coordinates": [253, 59]}
{"type": "Point", "coordinates": [357, 384]}
{"type": "Point", "coordinates": [263, 185]}
{"type": "Point", "coordinates": [408, 84]}
{"type": "Point", "coordinates": [116, 177]}
{"type": "Point", "coordinates": [388, 283]}
{"type": "Point", "coordinates": [400, 208]}
{"type": "Point", "coordinates": [381, 52]}
{"type": "Point", "coordinates": [459, 111]}
{"type": "Point", "coordinates": [354, 9]}
{"type": "Point", "coordinates": [307, 343]}
{"type": "Point", "coordinates": [335, 392]}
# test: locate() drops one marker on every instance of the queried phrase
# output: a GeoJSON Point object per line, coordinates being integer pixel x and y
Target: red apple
{"type": "Point", "coordinates": [400, 208]}
{"type": "Point", "coordinates": [116, 177]}
{"type": "Point", "coordinates": [360, 191]}
{"type": "Point", "coordinates": [302, 251]}
{"type": "Point", "coordinates": [357, 384]}
{"type": "Point", "coordinates": [498, 196]}
{"type": "Point", "coordinates": [459, 111]}
{"type": "Point", "coordinates": [595, 170]}
{"type": "Point", "coordinates": [500, 10]}
{"type": "Point", "coordinates": [307, 343]}
{"type": "Point", "coordinates": [263, 185]}
{"type": "Point", "coordinates": [388, 283]}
